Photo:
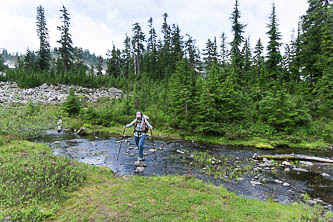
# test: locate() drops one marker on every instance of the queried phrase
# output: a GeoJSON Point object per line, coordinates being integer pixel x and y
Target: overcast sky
{"type": "Point", "coordinates": [97, 24]}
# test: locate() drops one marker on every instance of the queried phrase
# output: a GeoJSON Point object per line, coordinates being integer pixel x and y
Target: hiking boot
{"type": "Point", "coordinates": [141, 159]}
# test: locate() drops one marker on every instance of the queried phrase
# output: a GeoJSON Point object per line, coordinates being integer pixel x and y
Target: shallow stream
{"type": "Point", "coordinates": [176, 157]}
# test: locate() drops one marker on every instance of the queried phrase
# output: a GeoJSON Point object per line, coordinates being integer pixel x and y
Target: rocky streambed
{"type": "Point", "coordinates": [233, 167]}
{"type": "Point", "coordinates": [51, 94]}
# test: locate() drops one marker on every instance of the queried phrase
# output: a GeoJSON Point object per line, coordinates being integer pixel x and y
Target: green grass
{"type": "Point", "coordinates": [40, 186]}
{"type": "Point", "coordinates": [106, 197]}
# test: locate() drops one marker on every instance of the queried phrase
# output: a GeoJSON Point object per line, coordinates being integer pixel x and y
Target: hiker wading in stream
{"type": "Point", "coordinates": [141, 126]}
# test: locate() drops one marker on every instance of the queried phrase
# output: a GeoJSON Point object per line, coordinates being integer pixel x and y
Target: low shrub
{"type": "Point", "coordinates": [31, 175]}
{"type": "Point", "coordinates": [72, 105]}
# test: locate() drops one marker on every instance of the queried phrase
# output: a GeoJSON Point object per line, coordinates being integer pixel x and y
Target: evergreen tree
{"type": "Point", "coordinates": [177, 44]}
{"type": "Point", "coordinates": [286, 64]}
{"type": "Point", "coordinates": [99, 66]}
{"type": "Point", "coordinates": [30, 60]}
{"type": "Point", "coordinates": [44, 54]}
{"type": "Point", "coordinates": [210, 53]}
{"type": "Point", "coordinates": [151, 48]}
{"type": "Point", "coordinates": [165, 60]}
{"type": "Point", "coordinates": [295, 58]}
{"type": "Point", "coordinates": [181, 94]}
{"type": "Point", "coordinates": [138, 47]}
{"type": "Point", "coordinates": [259, 62]}
{"type": "Point", "coordinates": [191, 51]}
{"type": "Point", "coordinates": [324, 86]}
{"type": "Point", "coordinates": [274, 58]}
{"type": "Point", "coordinates": [209, 119]}
{"type": "Point", "coordinates": [126, 57]}
{"type": "Point", "coordinates": [247, 63]}
{"type": "Point", "coordinates": [237, 29]}
{"type": "Point", "coordinates": [151, 42]}
{"type": "Point", "coordinates": [2, 66]}
{"type": "Point", "coordinates": [113, 64]}
{"type": "Point", "coordinates": [224, 50]}
{"type": "Point", "coordinates": [79, 65]}
{"type": "Point", "coordinates": [66, 50]}
{"type": "Point", "coordinates": [166, 31]}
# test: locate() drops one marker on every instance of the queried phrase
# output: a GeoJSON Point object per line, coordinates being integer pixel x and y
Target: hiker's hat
{"type": "Point", "coordinates": [138, 115]}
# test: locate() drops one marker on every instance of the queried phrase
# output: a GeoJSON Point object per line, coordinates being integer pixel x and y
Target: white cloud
{"type": "Point", "coordinates": [96, 24]}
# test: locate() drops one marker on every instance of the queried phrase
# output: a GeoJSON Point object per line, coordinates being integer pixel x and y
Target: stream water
{"type": "Point", "coordinates": [262, 183]}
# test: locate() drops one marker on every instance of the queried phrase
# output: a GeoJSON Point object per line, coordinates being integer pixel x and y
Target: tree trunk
{"type": "Point", "coordinates": [293, 157]}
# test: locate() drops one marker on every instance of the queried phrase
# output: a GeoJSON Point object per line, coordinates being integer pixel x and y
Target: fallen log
{"type": "Point", "coordinates": [292, 157]}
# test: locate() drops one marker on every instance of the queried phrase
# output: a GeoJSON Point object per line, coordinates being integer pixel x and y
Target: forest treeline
{"type": "Point", "coordinates": [231, 88]}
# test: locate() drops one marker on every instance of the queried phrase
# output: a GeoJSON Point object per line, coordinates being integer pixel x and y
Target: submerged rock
{"type": "Point", "coordinates": [255, 183]}
{"type": "Point", "coordinates": [278, 181]}
{"type": "Point", "coordinates": [325, 175]}
{"type": "Point", "coordinates": [139, 169]}
{"type": "Point", "coordinates": [300, 170]}
{"type": "Point", "coordinates": [140, 164]}
{"type": "Point", "coordinates": [286, 163]}
{"type": "Point", "coordinates": [180, 152]}
{"type": "Point", "coordinates": [306, 163]}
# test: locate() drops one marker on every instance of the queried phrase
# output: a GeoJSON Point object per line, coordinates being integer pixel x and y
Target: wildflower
{"type": "Point", "coordinates": [7, 218]}
{"type": "Point", "coordinates": [26, 169]}
{"type": "Point", "coordinates": [38, 180]}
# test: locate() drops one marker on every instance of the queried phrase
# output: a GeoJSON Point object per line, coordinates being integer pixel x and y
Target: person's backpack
{"type": "Point", "coordinates": [144, 126]}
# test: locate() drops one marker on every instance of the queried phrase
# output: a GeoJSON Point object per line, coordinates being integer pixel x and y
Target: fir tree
{"type": "Point", "coordinates": [44, 54]}
{"type": "Point", "coordinates": [191, 51]}
{"type": "Point", "coordinates": [2, 66]}
{"type": "Point", "coordinates": [126, 57]}
{"type": "Point", "coordinates": [79, 65]}
{"type": "Point", "coordinates": [177, 43]}
{"type": "Point", "coordinates": [99, 66]}
{"type": "Point", "coordinates": [165, 60]}
{"type": "Point", "coordinates": [294, 67]}
{"type": "Point", "coordinates": [181, 94]}
{"type": "Point", "coordinates": [138, 47]}
{"type": "Point", "coordinates": [30, 60]}
{"type": "Point", "coordinates": [247, 63]}
{"type": "Point", "coordinates": [66, 50]}
{"type": "Point", "coordinates": [210, 53]}
{"type": "Point", "coordinates": [224, 50]}
{"type": "Point", "coordinates": [237, 29]}
{"type": "Point", "coordinates": [209, 119]}
{"type": "Point", "coordinates": [113, 64]}
{"type": "Point", "coordinates": [274, 58]}
{"type": "Point", "coordinates": [259, 62]}
{"type": "Point", "coordinates": [151, 48]}
{"type": "Point", "coordinates": [151, 42]}
{"type": "Point", "coordinates": [166, 31]}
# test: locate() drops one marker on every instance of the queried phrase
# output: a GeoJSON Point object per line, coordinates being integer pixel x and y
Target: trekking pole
{"type": "Point", "coordinates": [120, 144]}
{"type": "Point", "coordinates": [152, 138]}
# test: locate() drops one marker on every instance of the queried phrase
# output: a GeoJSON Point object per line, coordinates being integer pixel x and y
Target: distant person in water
{"type": "Point", "coordinates": [141, 126]}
